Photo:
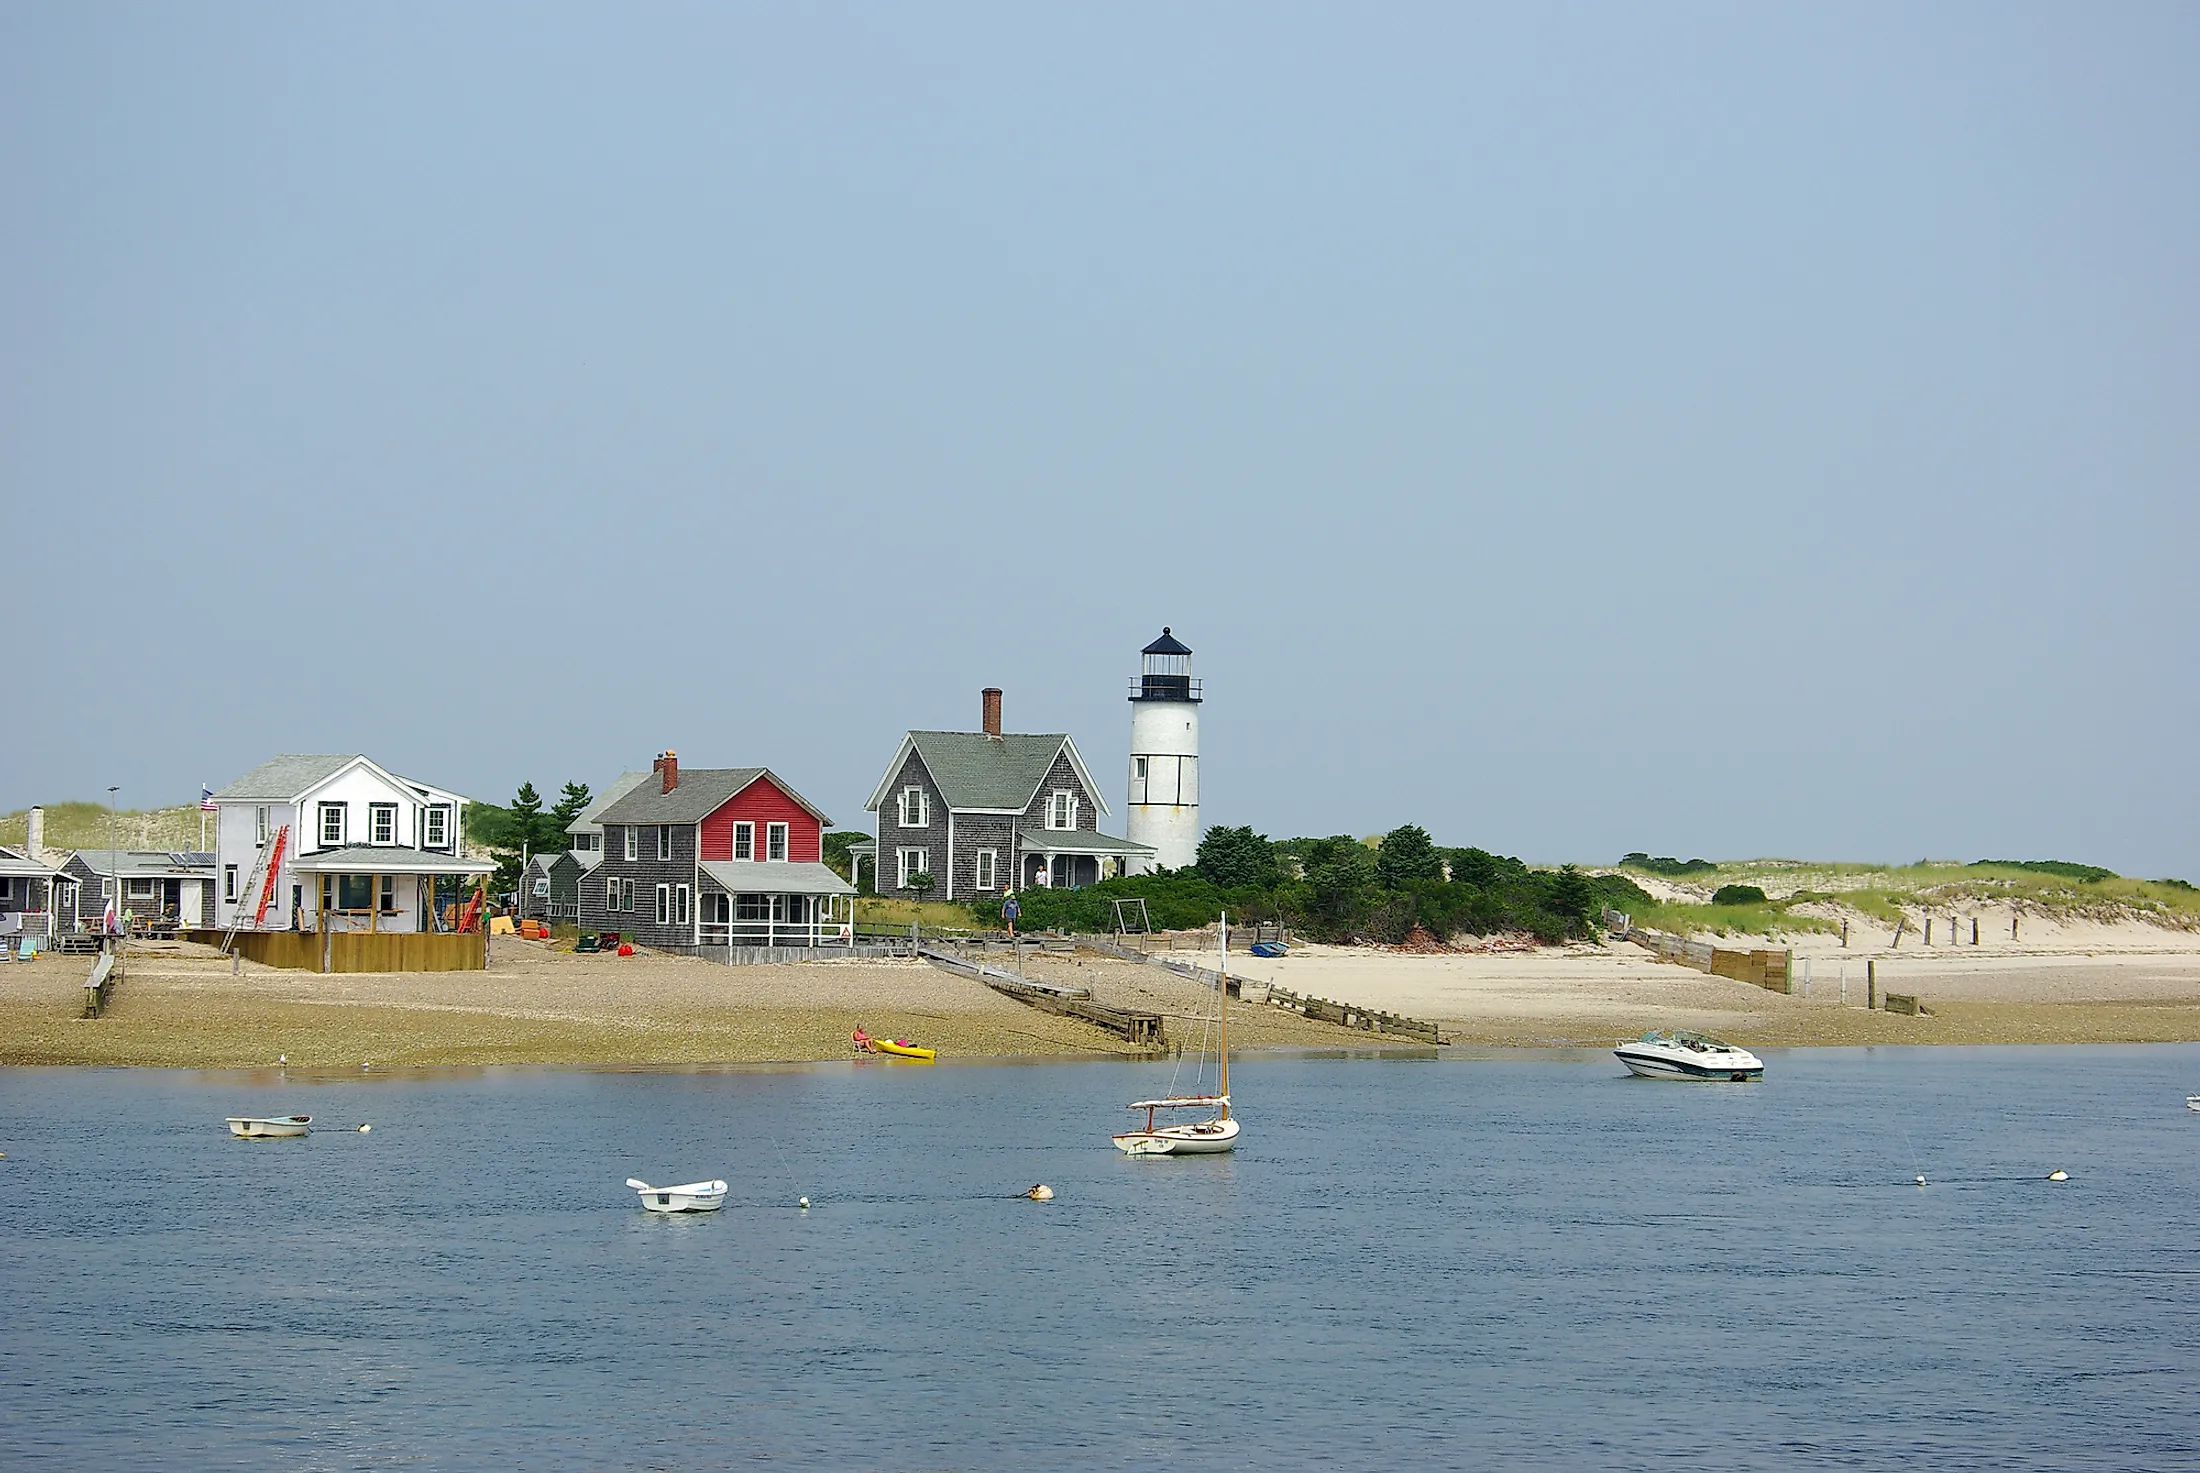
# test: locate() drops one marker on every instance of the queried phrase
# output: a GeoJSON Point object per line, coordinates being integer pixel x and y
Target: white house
{"type": "Point", "coordinates": [357, 844]}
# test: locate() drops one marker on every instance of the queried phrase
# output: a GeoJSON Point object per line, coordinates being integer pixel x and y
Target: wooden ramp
{"type": "Point", "coordinates": [1068, 1002]}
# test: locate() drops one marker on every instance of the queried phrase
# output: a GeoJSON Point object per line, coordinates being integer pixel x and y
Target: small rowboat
{"type": "Point", "coordinates": [695, 1196]}
{"type": "Point", "coordinates": [900, 1048]}
{"type": "Point", "coordinates": [260, 1128]}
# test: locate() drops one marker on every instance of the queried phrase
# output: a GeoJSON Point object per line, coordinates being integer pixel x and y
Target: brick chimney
{"type": "Point", "coordinates": [667, 766]}
{"type": "Point", "coordinates": [990, 704]}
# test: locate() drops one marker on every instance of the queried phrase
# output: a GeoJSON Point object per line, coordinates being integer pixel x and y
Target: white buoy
{"type": "Point", "coordinates": [1921, 1181]}
{"type": "Point", "coordinates": [1041, 1192]}
{"type": "Point", "coordinates": [282, 1058]}
{"type": "Point", "coordinates": [365, 1128]}
{"type": "Point", "coordinates": [2058, 1174]}
{"type": "Point", "coordinates": [804, 1204]}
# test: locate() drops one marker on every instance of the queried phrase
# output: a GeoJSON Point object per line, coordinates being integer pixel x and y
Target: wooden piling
{"type": "Point", "coordinates": [1871, 985]}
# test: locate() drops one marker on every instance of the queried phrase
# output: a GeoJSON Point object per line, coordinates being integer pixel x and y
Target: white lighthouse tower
{"type": "Point", "coordinates": [1164, 801]}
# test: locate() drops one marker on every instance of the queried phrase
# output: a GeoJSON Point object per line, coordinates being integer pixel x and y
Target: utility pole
{"type": "Point", "coordinates": [114, 859]}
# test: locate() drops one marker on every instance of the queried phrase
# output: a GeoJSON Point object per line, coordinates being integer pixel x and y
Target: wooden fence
{"type": "Point", "coordinates": [361, 951]}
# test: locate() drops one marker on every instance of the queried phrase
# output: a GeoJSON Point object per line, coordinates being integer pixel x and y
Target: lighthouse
{"type": "Point", "coordinates": [1164, 798]}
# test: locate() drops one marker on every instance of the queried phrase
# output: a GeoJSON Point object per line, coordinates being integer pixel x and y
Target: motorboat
{"type": "Point", "coordinates": [1195, 1138]}
{"type": "Point", "coordinates": [268, 1127]}
{"type": "Point", "coordinates": [1680, 1054]}
{"type": "Point", "coordinates": [1217, 1133]}
{"type": "Point", "coordinates": [2192, 1102]}
{"type": "Point", "coordinates": [695, 1196]}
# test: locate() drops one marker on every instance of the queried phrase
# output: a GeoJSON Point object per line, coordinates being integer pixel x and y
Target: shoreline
{"type": "Point", "coordinates": [180, 1006]}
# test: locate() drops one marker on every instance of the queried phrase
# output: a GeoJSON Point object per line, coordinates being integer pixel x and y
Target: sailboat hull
{"type": "Point", "coordinates": [1207, 1138]}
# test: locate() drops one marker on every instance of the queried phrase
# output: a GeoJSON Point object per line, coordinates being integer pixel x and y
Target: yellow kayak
{"type": "Point", "coordinates": [900, 1048]}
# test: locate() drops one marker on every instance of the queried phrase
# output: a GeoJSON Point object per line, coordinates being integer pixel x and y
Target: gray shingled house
{"type": "Point", "coordinates": [963, 815]}
{"type": "Point", "coordinates": [156, 886]}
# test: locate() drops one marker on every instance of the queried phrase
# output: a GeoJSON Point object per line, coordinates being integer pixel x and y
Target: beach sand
{"type": "Point", "coordinates": [181, 1006]}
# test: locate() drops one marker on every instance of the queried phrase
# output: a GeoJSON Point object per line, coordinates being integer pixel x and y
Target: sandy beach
{"type": "Point", "coordinates": [182, 1006]}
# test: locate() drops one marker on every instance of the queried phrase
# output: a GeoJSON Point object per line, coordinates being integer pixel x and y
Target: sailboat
{"type": "Point", "coordinates": [1217, 1133]}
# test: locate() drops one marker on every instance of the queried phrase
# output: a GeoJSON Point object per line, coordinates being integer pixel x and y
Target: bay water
{"type": "Point", "coordinates": [1516, 1261]}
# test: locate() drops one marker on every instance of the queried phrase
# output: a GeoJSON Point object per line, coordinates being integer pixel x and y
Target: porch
{"type": "Point", "coordinates": [377, 890]}
{"type": "Point", "coordinates": [773, 905]}
{"type": "Point", "coordinates": [1070, 859]}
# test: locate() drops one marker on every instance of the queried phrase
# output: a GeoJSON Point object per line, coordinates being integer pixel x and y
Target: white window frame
{"type": "Point", "coordinates": [7, 889]}
{"type": "Point", "coordinates": [989, 868]}
{"type": "Point", "coordinates": [341, 812]}
{"type": "Point", "coordinates": [1062, 802]}
{"type": "Point", "coordinates": [664, 842]}
{"type": "Point", "coordinates": [229, 883]}
{"type": "Point", "coordinates": [633, 842]}
{"type": "Point", "coordinates": [682, 904]}
{"type": "Point", "coordinates": [139, 887]}
{"type": "Point", "coordinates": [260, 816]}
{"type": "Point", "coordinates": [744, 840]}
{"type": "Point", "coordinates": [775, 842]}
{"type": "Point", "coordinates": [910, 862]}
{"type": "Point", "coordinates": [376, 813]}
{"type": "Point", "coordinates": [438, 835]}
{"type": "Point", "coordinates": [664, 905]}
{"type": "Point", "coordinates": [915, 800]}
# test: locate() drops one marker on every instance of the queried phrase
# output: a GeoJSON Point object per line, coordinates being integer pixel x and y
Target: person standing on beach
{"type": "Point", "coordinates": [1009, 911]}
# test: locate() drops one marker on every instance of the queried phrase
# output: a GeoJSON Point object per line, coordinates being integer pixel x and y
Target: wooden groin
{"type": "Point", "coordinates": [1351, 1015]}
{"type": "Point", "coordinates": [99, 988]}
{"type": "Point", "coordinates": [1771, 970]}
{"type": "Point", "coordinates": [359, 951]}
{"type": "Point", "coordinates": [1143, 1029]}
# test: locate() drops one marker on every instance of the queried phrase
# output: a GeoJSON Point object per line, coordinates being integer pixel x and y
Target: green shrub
{"type": "Point", "coordinates": [1737, 895]}
{"type": "Point", "coordinates": [1670, 867]}
{"type": "Point", "coordinates": [2086, 874]}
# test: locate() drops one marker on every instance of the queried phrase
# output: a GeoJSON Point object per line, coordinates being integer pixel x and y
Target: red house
{"type": "Point", "coordinates": [716, 857]}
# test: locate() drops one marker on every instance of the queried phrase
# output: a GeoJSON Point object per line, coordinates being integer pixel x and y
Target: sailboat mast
{"type": "Point", "coordinates": [1222, 935]}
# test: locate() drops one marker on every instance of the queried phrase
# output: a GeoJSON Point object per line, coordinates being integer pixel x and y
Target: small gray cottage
{"type": "Point", "coordinates": [963, 815]}
{"type": "Point", "coordinates": [550, 888]}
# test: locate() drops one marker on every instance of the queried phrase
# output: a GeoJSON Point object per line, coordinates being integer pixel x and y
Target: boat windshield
{"type": "Point", "coordinates": [1705, 1039]}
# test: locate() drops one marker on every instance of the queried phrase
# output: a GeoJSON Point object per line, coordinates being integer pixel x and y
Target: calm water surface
{"type": "Point", "coordinates": [1521, 1262]}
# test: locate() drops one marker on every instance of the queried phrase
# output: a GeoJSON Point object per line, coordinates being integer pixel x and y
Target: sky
{"type": "Point", "coordinates": [1723, 430]}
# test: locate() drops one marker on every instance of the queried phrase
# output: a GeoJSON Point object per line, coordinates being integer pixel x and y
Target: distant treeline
{"type": "Point", "coordinates": [1341, 889]}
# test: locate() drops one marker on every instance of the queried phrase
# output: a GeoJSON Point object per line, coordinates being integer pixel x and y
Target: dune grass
{"type": "Point", "coordinates": [85, 826]}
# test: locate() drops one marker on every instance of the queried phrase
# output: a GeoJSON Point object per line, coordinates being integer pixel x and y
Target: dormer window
{"type": "Point", "coordinates": [916, 808]}
{"type": "Point", "coordinates": [1061, 810]}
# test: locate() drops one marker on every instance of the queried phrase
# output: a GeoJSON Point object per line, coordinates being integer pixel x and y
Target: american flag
{"type": "Point", "coordinates": [206, 799]}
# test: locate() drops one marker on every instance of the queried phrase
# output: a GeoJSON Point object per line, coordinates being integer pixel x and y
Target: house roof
{"type": "Point", "coordinates": [285, 777]}
{"type": "Point", "coordinates": [590, 819]}
{"type": "Point", "coordinates": [977, 772]}
{"type": "Point", "coordinates": [282, 779]}
{"type": "Point", "coordinates": [388, 859]}
{"type": "Point", "coordinates": [16, 865]}
{"type": "Point", "coordinates": [139, 863]}
{"type": "Point", "coordinates": [702, 792]}
{"type": "Point", "coordinates": [746, 877]}
{"type": "Point", "coordinates": [1081, 841]}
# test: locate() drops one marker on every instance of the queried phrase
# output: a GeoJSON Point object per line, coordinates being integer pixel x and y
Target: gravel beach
{"type": "Point", "coordinates": [181, 1006]}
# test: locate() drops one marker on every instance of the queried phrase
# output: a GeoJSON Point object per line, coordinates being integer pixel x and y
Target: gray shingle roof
{"type": "Point", "coordinates": [285, 777]}
{"type": "Point", "coordinates": [591, 817]}
{"type": "Point", "coordinates": [702, 791]}
{"type": "Point", "coordinates": [138, 863]}
{"type": "Point", "coordinates": [974, 770]}
{"type": "Point", "coordinates": [1081, 841]}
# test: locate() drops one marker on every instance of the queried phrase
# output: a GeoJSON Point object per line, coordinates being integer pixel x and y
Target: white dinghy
{"type": "Point", "coordinates": [268, 1127]}
{"type": "Point", "coordinates": [696, 1196]}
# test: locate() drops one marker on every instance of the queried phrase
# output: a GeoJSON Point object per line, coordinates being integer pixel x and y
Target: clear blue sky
{"type": "Point", "coordinates": [1726, 430]}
